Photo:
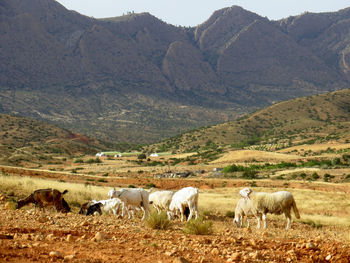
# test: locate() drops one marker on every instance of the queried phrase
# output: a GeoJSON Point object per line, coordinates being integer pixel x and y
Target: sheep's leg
{"type": "Point", "coordinates": [182, 213]}
{"type": "Point", "coordinates": [289, 219]}
{"type": "Point", "coordinates": [248, 225]}
{"type": "Point", "coordinates": [258, 217]}
{"type": "Point", "coordinates": [264, 220]}
{"type": "Point", "coordinates": [196, 210]}
{"type": "Point", "coordinates": [144, 213]}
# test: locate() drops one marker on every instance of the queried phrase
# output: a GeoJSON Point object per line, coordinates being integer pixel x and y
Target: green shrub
{"type": "Point", "coordinates": [150, 185]}
{"type": "Point", "coordinates": [102, 180]}
{"type": "Point", "coordinates": [96, 160]}
{"type": "Point", "coordinates": [141, 156]}
{"type": "Point", "coordinates": [158, 221]}
{"type": "Point", "coordinates": [315, 176]}
{"type": "Point", "coordinates": [312, 223]}
{"type": "Point", "coordinates": [79, 160]}
{"type": "Point", "coordinates": [230, 214]}
{"type": "Point", "coordinates": [198, 227]}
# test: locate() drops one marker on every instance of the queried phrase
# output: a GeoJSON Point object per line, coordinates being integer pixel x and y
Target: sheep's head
{"type": "Point", "coordinates": [171, 214]}
{"type": "Point", "coordinates": [237, 221]}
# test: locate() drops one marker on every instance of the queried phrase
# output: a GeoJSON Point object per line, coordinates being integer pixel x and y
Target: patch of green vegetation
{"type": "Point", "coordinates": [158, 221]}
{"type": "Point", "coordinates": [198, 227]}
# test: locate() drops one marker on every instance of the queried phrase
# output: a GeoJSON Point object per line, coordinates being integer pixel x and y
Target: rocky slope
{"type": "Point", "coordinates": [135, 78]}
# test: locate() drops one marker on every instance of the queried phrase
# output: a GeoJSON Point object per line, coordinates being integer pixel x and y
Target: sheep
{"type": "Point", "coordinates": [94, 208]}
{"type": "Point", "coordinates": [84, 207]}
{"type": "Point", "coordinates": [241, 211]}
{"type": "Point", "coordinates": [42, 197]}
{"type": "Point", "coordinates": [137, 197]}
{"type": "Point", "coordinates": [113, 193]}
{"type": "Point", "coordinates": [185, 197]}
{"type": "Point", "coordinates": [161, 199]}
{"type": "Point", "coordinates": [111, 205]}
{"type": "Point", "coordinates": [260, 203]}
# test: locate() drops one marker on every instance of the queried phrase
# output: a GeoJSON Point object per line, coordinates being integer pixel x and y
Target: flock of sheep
{"type": "Point", "coordinates": [179, 204]}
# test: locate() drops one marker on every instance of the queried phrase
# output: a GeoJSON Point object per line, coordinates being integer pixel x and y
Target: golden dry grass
{"type": "Point", "coordinates": [241, 156]}
{"type": "Point", "coordinates": [323, 207]}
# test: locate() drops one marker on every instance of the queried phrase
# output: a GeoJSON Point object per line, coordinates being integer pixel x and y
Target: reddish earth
{"type": "Point", "coordinates": [50, 236]}
{"type": "Point", "coordinates": [27, 235]}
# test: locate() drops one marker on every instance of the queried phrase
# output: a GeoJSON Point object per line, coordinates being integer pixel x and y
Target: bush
{"type": "Point", "coordinates": [312, 223]}
{"type": "Point", "coordinates": [230, 214]}
{"type": "Point", "coordinates": [96, 160]}
{"type": "Point", "coordinates": [141, 156]}
{"type": "Point", "coordinates": [158, 221]}
{"type": "Point", "coordinates": [79, 160]}
{"type": "Point", "coordinates": [198, 227]}
{"type": "Point", "coordinates": [315, 176]}
{"type": "Point", "coordinates": [150, 185]}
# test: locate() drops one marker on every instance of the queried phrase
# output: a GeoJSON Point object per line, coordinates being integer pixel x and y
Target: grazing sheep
{"type": "Point", "coordinates": [260, 203]}
{"type": "Point", "coordinates": [84, 207]}
{"type": "Point", "coordinates": [66, 208]}
{"type": "Point", "coordinates": [185, 197]}
{"type": "Point", "coordinates": [94, 208]}
{"type": "Point", "coordinates": [242, 210]}
{"type": "Point", "coordinates": [136, 197]}
{"type": "Point", "coordinates": [161, 199]}
{"type": "Point", "coordinates": [45, 197]}
{"type": "Point", "coordinates": [113, 193]}
{"type": "Point", "coordinates": [111, 205]}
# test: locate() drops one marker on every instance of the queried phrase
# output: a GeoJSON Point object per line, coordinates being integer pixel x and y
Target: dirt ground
{"type": "Point", "coordinates": [29, 235]}
{"type": "Point", "coordinates": [34, 236]}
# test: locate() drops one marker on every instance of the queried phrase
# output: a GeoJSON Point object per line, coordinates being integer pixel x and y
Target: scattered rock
{"type": "Point", "coordinates": [69, 258]}
{"type": "Point", "coordinates": [235, 256]}
{"type": "Point", "coordinates": [99, 237]}
{"type": "Point", "coordinates": [180, 260]}
{"type": "Point", "coordinates": [215, 251]}
{"type": "Point", "coordinates": [55, 254]}
{"type": "Point", "coordinates": [50, 237]}
{"type": "Point", "coordinates": [311, 245]}
{"type": "Point", "coordinates": [43, 219]}
{"type": "Point", "coordinates": [69, 238]}
{"type": "Point", "coordinates": [328, 258]}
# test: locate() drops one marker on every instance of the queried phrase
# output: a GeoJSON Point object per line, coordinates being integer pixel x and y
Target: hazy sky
{"type": "Point", "coordinates": [194, 12]}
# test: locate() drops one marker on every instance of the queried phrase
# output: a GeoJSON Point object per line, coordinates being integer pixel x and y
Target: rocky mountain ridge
{"type": "Point", "coordinates": [136, 78]}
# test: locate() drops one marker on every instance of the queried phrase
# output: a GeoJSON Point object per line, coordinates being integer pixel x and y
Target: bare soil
{"type": "Point", "coordinates": [35, 236]}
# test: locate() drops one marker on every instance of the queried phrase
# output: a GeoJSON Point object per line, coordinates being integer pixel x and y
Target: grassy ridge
{"type": "Point", "coordinates": [307, 120]}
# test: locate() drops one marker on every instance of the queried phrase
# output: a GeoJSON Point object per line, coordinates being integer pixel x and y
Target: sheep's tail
{"type": "Point", "coordinates": [295, 209]}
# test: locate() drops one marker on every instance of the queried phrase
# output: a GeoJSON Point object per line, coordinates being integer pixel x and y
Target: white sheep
{"type": "Point", "coordinates": [161, 199]}
{"type": "Point", "coordinates": [242, 210]}
{"type": "Point", "coordinates": [113, 193]}
{"type": "Point", "coordinates": [185, 197]}
{"type": "Point", "coordinates": [113, 205]}
{"type": "Point", "coordinates": [136, 197]}
{"type": "Point", "coordinates": [260, 203]}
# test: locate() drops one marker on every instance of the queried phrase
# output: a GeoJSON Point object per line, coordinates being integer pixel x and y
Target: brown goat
{"type": "Point", "coordinates": [45, 197]}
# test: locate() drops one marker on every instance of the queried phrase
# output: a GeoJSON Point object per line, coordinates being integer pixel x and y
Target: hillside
{"type": "Point", "coordinates": [138, 79]}
{"type": "Point", "coordinates": [306, 120]}
{"type": "Point", "coordinates": [26, 140]}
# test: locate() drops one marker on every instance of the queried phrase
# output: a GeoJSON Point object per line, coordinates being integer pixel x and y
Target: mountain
{"type": "Point", "coordinates": [138, 79]}
{"type": "Point", "coordinates": [28, 140]}
{"type": "Point", "coordinates": [306, 120]}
